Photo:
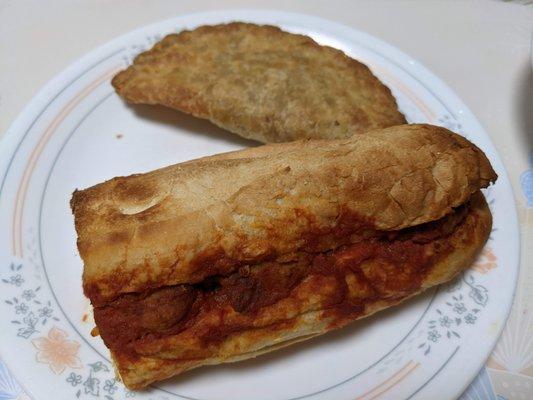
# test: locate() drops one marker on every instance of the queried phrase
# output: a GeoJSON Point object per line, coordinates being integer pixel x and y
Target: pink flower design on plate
{"type": "Point", "coordinates": [486, 261]}
{"type": "Point", "coordinates": [57, 351]}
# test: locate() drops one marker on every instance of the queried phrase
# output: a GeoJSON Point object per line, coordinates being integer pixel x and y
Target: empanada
{"type": "Point", "coordinates": [261, 83]}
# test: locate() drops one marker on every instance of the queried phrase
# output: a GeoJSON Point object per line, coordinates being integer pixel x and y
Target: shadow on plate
{"type": "Point", "coordinates": [340, 336]}
{"type": "Point", "coordinates": [197, 126]}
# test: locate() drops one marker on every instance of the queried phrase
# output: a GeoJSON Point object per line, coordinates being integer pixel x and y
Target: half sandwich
{"type": "Point", "coordinates": [227, 257]}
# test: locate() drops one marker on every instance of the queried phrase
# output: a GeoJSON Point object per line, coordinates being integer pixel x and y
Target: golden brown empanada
{"type": "Point", "coordinates": [261, 83]}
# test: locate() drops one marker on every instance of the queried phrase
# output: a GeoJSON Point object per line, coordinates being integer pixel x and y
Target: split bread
{"type": "Point", "coordinates": [227, 257]}
{"type": "Point", "coordinates": [261, 83]}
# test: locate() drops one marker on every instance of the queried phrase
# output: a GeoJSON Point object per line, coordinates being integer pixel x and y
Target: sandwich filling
{"type": "Point", "coordinates": [337, 283]}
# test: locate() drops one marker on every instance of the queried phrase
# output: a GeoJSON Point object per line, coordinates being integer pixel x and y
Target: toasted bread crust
{"type": "Point", "coordinates": [188, 221]}
{"type": "Point", "coordinates": [261, 83]}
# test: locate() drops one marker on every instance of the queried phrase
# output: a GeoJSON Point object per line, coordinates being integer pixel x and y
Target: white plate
{"type": "Point", "coordinates": [77, 132]}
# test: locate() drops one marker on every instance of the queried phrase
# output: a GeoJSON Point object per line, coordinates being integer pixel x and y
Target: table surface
{"type": "Point", "coordinates": [482, 49]}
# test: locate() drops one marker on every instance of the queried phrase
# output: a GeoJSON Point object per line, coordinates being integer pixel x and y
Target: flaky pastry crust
{"type": "Point", "coordinates": [261, 83]}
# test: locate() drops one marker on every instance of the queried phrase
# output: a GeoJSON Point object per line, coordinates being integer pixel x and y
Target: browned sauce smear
{"type": "Point", "coordinates": [399, 262]}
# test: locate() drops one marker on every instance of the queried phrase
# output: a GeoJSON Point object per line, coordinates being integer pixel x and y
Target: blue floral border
{"type": "Point", "coordinates": [32, 313]}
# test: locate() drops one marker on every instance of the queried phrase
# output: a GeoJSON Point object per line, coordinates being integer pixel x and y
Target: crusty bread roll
{"type": "Point", "coordinates": [261, 83]}
{"type": "Point", "coordinates": [230, 256]}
